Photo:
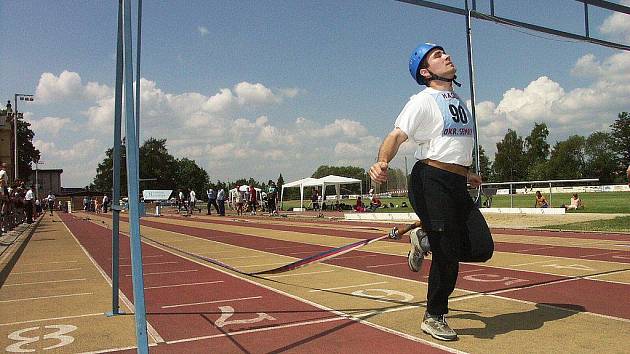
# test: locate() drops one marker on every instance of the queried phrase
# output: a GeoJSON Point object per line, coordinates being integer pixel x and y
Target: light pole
{"type": "Point", "coordinates": [23, 97]}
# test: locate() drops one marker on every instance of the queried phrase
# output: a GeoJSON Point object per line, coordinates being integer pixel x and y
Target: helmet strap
{"type": "Point", "coordinates": [435, 77]}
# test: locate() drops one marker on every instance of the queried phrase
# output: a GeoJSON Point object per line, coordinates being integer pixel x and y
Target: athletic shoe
{"type": "Point", "coordinates": [419, 249]}
{"type": "Point", "coordinates": [437, 327]}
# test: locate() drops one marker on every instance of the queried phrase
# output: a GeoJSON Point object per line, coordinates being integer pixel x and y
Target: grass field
{"type": "Point", "coordinates": [608, 203]}
{"type": "Point", "coordinates": [620, 223]}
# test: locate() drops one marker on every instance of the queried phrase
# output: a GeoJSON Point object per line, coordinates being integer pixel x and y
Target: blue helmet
{"type": "Point", "coordinates": [416, 58]}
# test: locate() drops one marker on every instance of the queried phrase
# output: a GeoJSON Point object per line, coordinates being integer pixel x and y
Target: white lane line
{"type": "Point", "coordinates": [48, 271]}
{"type": "Point", "coordinates": [365, 256]}
{"type": "Point", "coordinates": [212, 302]}
{"type": "Point", "coordinates": [28, 264]}
{"type": "Point", "coordinates": [187, 284]}
{"type": "Point", "coordinates": [297, 274]}
{"type": "Point", "coordinates": [285, 247]}
{"type": "Point", "coordinates": [241, 257]}
{"type": "Point", "coordinates": [598, 254]}
{"type": "Point", "coordinates": [171, 272]}
{"type": "Point", "coordinates": [152, 332]}
{"type": "Point", "coordinates": [472, 271]}
{"type": "Point", "coordinates": [51, 319]}
{"type": "Point", "coordinates": [143, 257]}
{"type": "Point", "coordinates": [45, 297]}
{"type": "Point", "coordinates": [46, 282]}
{"type": "Point", "coordinates": [148, 264]}
{"type": "Point", "coordinates": [530, 263]}
{"type": "Point", "coordinates": [347, 287]}
{"type": "Point", "coordinates": [271, 328]}
{"type": "Point", "coordinates": [534, 249]}
{"type": "Point", "coordinates": [261, 265]}
{"type": "Point", "coordinates": [385, 265]}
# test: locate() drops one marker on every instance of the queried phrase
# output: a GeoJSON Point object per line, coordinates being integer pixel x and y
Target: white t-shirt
{"type": "Point", "coordinates": [193, 196]}
{"type": "Point", "coordinates": [4, 178]}
{"type": "Point", "coordinates": [440, 123]}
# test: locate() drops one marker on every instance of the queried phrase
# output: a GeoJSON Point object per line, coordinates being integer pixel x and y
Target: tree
{"type": "Point", "coordinates": [191, 177]}
{"type": "Point", "coordinates": [620, 132]}
{"type": "Point", "coordinates": [536, 144]}
{"type": "Point", "coordinates": [156, 162]}
{"type": "Point", "coordinates": [509, 160]}
{"type": "Point", "coordinates": [485, 167]}
{"type": "Point", "coordinates": [599, 162]}
{"type": "Point", "coordinates": [103, 181]}
{"type": "Point", "coordinates": [567, 158]}
{"type": "Point", "coordinates": [27, 153]}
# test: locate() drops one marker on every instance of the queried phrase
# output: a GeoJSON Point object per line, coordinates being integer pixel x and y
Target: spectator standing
{"type": "Point", "coordinates": [28, 205]}
{"type": "Point", "coordinates": [51, 202]}
{"type": "Point", "coordinates": [272, 195]}
{"type": "Point", "coordinates": [221, 201]}
{"type": "Point", "coordinates": [253, 198]}
{"type": "Point", "coordinates": [212, 200]}
{"type": "Point", "coordinates": [315, 199]}
{"type": "Point", "coordinates": [192, 200]}
{"type": "Point", "coordinates": [105, 203]}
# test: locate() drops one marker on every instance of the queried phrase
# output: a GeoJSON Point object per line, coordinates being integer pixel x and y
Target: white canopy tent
{"type": "Point", "coordinates": [337, 181]}
{"type": "Point", "coordinates": [301, 183]}
{"type": "Point", "coordinates": [330, 180]}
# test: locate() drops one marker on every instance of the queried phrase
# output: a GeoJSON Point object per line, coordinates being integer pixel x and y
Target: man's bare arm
{"type": "Point", "coordinates": [387, 151]}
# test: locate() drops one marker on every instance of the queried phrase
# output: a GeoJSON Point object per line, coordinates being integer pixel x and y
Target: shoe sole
{"type": "Point", "coordinates": [411, 265]}
{"type": "Point", "coordinates": [437, 336]}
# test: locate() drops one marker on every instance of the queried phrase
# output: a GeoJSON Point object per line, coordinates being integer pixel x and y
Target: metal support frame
{"type": "Point", "coordinates": [503, 20]}
{"type": "Point", "coordinates": [116, 168]}
{"type": "Point", "coordinates": [124, 75]}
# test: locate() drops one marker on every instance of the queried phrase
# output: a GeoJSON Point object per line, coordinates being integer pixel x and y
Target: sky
{"type": "Point", "coordinates": [259, 88]}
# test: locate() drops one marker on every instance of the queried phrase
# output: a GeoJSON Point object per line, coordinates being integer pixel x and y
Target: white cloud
{"type": "Point", "coordinates": [617, 25]}
{"type": "Point", "coordinates": [51, 125]}
{"type": "Point", "coordinates": [581, 110]}
{"type": "Point", "coordinates": [203, 31]}
{"type": "Point", "coordinates": [68, 86]}
{"type": "Point", "coordinates": [248, 93]}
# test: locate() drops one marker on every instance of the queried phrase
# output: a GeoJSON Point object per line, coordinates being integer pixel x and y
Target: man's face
{"type": "Point", "coordinates": [440, 64]}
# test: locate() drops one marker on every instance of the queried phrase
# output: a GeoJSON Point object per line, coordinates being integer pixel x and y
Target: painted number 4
{"type": "Point", "coordinates": [22, 340]}
{"type": "Point", "coordinates": [228, 311]}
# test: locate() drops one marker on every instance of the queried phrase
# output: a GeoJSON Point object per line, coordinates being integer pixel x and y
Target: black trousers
{"type": "Point", "coordinates": [221, 207]}
{"type": "Point", "coordinates": [212, 202]}
{"type": "Point", "coordinates": [457, 230]}
{"type": "Point", "coordinates": [28, 208]}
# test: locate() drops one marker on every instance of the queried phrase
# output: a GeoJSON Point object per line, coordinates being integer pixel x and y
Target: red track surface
{"type": "Point", "coordinates": [480, 278]}
{"type": "Point", "coordinates": [556, 251]}
{"type": "Point", "coordinates": [203, 320]}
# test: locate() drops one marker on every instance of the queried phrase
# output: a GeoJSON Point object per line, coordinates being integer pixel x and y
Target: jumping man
{"type": "Point", "coordinates": [437, 120]}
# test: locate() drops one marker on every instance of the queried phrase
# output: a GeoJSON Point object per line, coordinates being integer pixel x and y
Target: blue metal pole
{"type": "Point", "coordinates": [132, 187]}
{"type": "Point", "coordinates": [116, 166]}
{"type": "Point", "coordinates": [139, 33]}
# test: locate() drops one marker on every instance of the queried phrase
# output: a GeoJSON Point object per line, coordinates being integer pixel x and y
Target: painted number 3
{"type": "Point", "coordinates": [458, 114]}
{"type": "Point", "coordinates": [59, 335]}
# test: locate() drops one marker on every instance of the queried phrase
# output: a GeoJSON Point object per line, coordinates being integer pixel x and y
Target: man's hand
{"type": "Point", "coordinates": [474, 179]}
{"type": "Point", "coordinates": [378, 172]}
